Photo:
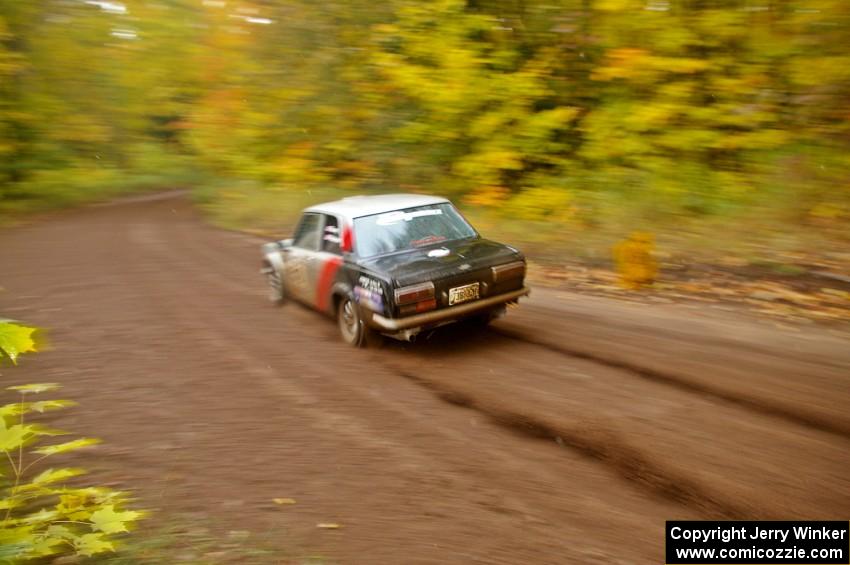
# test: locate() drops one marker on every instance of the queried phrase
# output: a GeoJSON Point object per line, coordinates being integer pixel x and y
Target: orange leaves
{"type": "Point", "coordinates": [634, 260]}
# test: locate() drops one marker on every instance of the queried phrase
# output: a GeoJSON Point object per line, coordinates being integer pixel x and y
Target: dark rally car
{"type": "Point", "coordinates": [394, 264]}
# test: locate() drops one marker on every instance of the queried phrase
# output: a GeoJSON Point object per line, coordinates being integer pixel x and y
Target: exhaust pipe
{"type": "Point", "coordinates": [407, 335]}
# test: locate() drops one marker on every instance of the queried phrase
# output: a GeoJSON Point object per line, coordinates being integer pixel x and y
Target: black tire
{"type": "Point", "coordinates": [351, 327]}
{"type": "Point", "coordinates": [277, 295]}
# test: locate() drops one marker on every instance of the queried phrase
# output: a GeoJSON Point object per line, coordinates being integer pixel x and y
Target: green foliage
{"type": "Point", "coordinates": [14, 340]}
{"type": "Point", "coordinates": [86, 111]}
{"type": "Point", "coordinates": [42, 515]}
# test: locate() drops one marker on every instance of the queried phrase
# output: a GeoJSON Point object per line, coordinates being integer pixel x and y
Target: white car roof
{"type": "Point", "coordinates": [357, 206]}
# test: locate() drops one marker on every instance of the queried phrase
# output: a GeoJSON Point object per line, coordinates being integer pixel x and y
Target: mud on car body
{"type": "Point", "coordinates": [394, 265]}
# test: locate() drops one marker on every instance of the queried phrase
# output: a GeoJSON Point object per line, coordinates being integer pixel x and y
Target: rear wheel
{"type": "Point", "coordinates": [351, 327]}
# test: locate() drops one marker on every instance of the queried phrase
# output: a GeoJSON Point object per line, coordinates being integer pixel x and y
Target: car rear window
{"type": "Point", "coordinates": [409, 228]}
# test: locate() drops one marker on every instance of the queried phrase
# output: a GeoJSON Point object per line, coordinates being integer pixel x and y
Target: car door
{"type": "Point", "coordinates": [298, 263]}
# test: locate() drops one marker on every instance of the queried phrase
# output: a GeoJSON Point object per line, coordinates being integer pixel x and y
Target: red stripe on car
{"type": "Point", "coordinates": [347, 239]}
{"type": "Point", "coordinates": [326, 279]}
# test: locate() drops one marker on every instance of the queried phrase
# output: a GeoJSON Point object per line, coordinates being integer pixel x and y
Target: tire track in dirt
{"type": "Point", "coordinates": [713, 334]}
{"type": "Point", "coordinates": [714, 457]}
{"type": "Point", "coordinates": [793, 414]}
{"type": "Point", "coordinates": [601, 444]}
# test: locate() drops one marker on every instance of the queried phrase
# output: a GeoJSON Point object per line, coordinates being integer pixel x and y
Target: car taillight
{"type": "Point", "coordinates": [414, 293]}
{"type": "Point", "coordinates": [416, 298]}
{"type": "Point", "coordinates": [423, 306]}
{"type": "Point", "coordinates": [508, 271]}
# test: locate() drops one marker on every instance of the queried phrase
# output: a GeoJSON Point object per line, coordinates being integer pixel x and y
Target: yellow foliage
{"type": "Point", "coordinates": [615, 5]}
{"type": "Point", "coordinates": [487, 196]}
{"type": "Point", "coordinates": [827, 211]}
{"type": "Point", "coordinates": [634, 260]}
{"type": "Point", "coordinates": [623, 62]}
{"type": "Point", "coordinates": [542, 203]}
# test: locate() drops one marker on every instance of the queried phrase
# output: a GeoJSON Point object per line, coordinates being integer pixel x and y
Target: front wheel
{"type": "Point", "coordinates": [275, 282]}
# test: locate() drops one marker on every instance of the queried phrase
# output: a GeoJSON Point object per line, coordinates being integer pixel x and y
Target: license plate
{"type": "Point", "coordinates": [463, 293]}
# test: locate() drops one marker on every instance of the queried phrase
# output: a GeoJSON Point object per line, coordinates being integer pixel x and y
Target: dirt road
{"type": "Point", "coordinates": [567, 433]}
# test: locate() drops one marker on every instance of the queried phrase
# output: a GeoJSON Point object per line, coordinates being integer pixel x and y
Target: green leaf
{"type": "Point", "coordinates": [44, 405]}
{"type": "Point", "coordinates": [67, 446]}
{"type": "Point", "coordinates": [75, 504]}
{"type": "Point", "coordinates": [35, 388]}
{"type": "Point", "coordinates": [39, 430]}
{"type": "Point", "coordinates": [41, 516]}
{"type": "Point", "coordinates": [45, 546]}
{"type": "Point", "coordinates": [12, 409]}
{"type": "Point", "coordinates": [90, 544]}
{"type": "Point", "coordinates": [8, 502]}
{"type": "Point", "coordinates": [54, 475]}
{"type": "Point", "coordinates": [15, 543]}
{"type": "Point", "coordinates": [13, 437]}
{"type": "Point", "coordinates": [15, 339]}
{"type": "Point", "coordinates": [109, 521]}
{"type": "Point", "coordinates": [59, 531]}
{"type": "Point", "coordinates": [101, 495]}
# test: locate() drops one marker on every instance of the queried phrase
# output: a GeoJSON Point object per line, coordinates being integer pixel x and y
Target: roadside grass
{"type": "Point", "coordinates": [53, 189]}
{"type": "Point", "coordinates": [761, 237]}
{"type": "Point", "coordinates": [771, 231]}
{"type": "Point", "coordinates": [251, 207]}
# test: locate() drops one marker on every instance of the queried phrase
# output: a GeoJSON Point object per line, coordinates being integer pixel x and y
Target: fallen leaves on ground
{"type": "Point", "coordinates": [800, 297]}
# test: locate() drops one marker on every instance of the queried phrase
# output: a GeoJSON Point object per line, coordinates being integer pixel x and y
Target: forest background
{"type": "Point", "coordinates": [718, 126]}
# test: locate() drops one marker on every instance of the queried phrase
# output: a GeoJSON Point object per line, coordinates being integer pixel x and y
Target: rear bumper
{"type": "Point", "coordinates": [445, 314]}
